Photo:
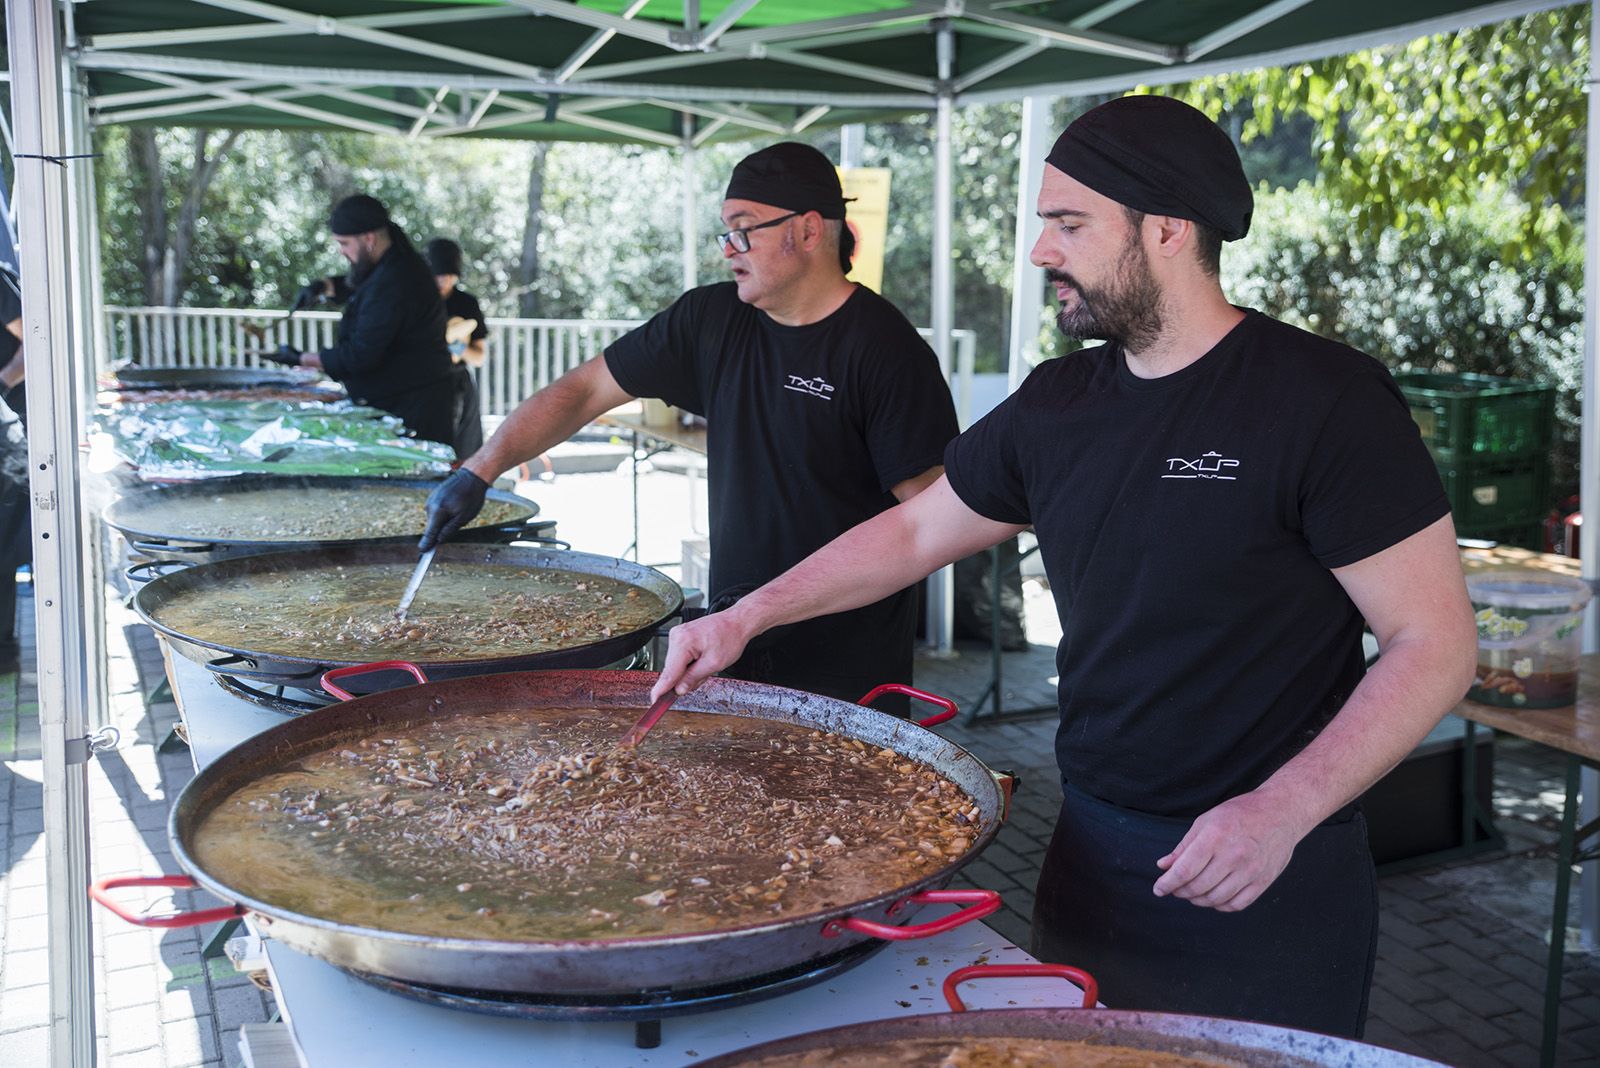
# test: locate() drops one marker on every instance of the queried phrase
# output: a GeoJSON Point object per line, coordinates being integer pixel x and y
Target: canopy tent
{"type": "Point", "coordinates": [677, 73]}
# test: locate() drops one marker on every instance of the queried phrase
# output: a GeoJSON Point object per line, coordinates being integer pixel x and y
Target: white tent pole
{"type": "Point", "coordinates": [691, 209]}
{"type": "Point", "coordinates": [1589, 455]}
{"type": "Point", "coordinates": [48, 344]}
{"type": "Point", "coordinates": [940, 623]}
{"type": "Point", "coordinates": [1027, 281]}
{"type": "Point", "coordinates": [852, 143]}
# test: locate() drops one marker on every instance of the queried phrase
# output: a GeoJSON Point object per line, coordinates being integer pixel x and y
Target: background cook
{"type": "Point", "coordinates": [391, 350]}
{"type": "Point", "coordinates": [823, 406]}
{"type": "Point", "coordinates": [460, 307]}
{"type": "Point", "coordinates": [1221, 499]}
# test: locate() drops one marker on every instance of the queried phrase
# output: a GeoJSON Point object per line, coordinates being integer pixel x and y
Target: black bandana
{"type": "Point", "coordinates": [790, 176]}
{"type": "Point", "coordinates": [444, 256]}
{"type": "Point", "coordinates": [1159, 156]}
{"type": "Point", "coordinates": [359, 214]}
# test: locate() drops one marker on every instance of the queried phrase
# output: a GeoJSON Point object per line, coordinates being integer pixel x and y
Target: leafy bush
{"type": "Point", "coordinates": [1450, 299]}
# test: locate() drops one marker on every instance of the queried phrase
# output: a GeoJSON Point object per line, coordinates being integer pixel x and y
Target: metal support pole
{"type": "Point", "coordinates": [1589, 466]}
{"type": "Point", "coordinates": [88, 339]}
{"type": "Point", "coordinates": [1027, 281]}
{"type": "Point", "coordinates": [939, 624]}
{"type": "Point", "coordinates": [691, 210]}
{"type": "Point", "coordinates": [46, 251]}
{"type": "Point", "coordinates": [852, 142]}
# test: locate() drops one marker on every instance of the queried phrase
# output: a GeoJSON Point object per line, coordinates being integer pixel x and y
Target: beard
{"type": "Point", "coordinates": [1126, 309]}
{"type": "Point", "coordinates": [360, 268]}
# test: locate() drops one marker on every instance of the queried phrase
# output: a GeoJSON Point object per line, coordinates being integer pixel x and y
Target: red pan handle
{"type": "Point", "coordinates": [1091, 989]}
{"type": "Point", "coordinates": [101, 892]}
{"type": "Point", "coordinates": [945, 703]}
{"type": "Point", "coordinates": [361, 669]}
{"type": "Point", "coordinates": [980, 903]}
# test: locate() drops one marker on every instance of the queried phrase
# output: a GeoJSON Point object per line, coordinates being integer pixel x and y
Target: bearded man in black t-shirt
{"type": "Point", "coordinates": [1222, 500]}
{"type": "Point", "coordinates": [823, 409]}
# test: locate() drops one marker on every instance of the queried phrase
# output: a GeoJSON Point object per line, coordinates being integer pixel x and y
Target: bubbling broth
{"type": "Point", "coordinates": [463, 610]}
{"type": "Point", "coordinates": [530, 825]}
{"type": "Point", "coordinates": [991, 1053]}
{"type": "Point", "coordinates": [290, 514]}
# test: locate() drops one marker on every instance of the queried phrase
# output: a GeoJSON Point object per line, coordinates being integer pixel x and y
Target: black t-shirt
{"type": "Point", "coordinates": [391, 351]}
{"type": "Point", "coordinates": [459, 304]}
{"type": "Point", "coordinates": [1188, 524]}
{"type": "Point", "coordinates": [808, 430]}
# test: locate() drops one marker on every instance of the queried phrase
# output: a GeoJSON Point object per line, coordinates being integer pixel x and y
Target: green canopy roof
{"type": "Point", "coordinates": [676, 71]}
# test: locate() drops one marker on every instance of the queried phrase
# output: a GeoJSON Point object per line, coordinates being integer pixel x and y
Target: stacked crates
{"type": "Point", "coordinates": [1490, 438]}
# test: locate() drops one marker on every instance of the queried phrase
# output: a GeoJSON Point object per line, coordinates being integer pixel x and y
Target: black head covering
{"type": "Point", "coordinates": [444, 256]}
{"type": "Point", "coordinates": [359, 214]}
{"type": "Point", "coordinates": [1160, 156]}
{"type": "Point", "coordinates": [791, 176]}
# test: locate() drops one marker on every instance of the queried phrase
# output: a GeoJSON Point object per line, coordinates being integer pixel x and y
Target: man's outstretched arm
{"type": "Point", "coordinates": [864, 564]}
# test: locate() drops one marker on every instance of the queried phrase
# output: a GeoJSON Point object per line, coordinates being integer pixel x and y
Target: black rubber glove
{"type": "Point", "coordinates": [451, 506]}
{"type": "Point", "coordinates": [287, 355]}
{"type": "Point", "coordinates": [311, 294]}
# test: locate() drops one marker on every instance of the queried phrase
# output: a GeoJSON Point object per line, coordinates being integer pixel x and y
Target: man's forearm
{"type": "Point", "coordinates": [1405, 694]}
{"type": "Point", "coordinates": [874, 559]}
{"type": "Point", "coordinates": [547, 418]}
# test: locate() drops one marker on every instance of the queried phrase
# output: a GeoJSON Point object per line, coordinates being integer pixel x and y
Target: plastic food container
{"type": "Point", "coordinates": [1530, 633]}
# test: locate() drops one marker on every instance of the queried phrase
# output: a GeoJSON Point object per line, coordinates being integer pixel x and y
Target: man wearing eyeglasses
{"type": "Point", "coordinates": [823, 407]}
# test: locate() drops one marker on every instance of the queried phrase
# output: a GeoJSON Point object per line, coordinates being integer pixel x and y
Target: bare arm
{"type": "Point", "coordinates": [864, 564]}
{"type": "Point", "coordinates": [1414, 598]}
{"type": "Point", "coordinates": [476, 353]}
{"type": "Point", "coordinates": [549, 417]}
{"type": "Point", "coordinates": [904, 491]}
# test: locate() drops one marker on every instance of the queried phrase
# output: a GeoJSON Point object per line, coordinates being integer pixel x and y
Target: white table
{"type": "Point", "coordinates": [339, 1020]}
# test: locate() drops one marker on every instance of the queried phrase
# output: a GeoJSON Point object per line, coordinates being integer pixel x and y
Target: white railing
{"type": "Point", "coordinates": [522, 355]}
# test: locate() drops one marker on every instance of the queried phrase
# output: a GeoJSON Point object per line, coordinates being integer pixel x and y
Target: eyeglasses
{"type": "Point", "coordinates": [740, 239]}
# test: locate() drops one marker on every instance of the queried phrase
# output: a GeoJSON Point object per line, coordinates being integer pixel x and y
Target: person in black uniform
{"type": "Point", "coordinates": [1220, 501]}
{"type": "Point", "coordinates": [823, 408]}
{"type": "Point", "coordinates": [391, 350]}
{"type": "Point", "coordinates": [444, 259]}
{"type": "Point", "coordinates": [16, 510]}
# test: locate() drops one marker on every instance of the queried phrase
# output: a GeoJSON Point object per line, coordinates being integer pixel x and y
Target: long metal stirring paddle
{"type": "Point", "coordinates": [415, 584]}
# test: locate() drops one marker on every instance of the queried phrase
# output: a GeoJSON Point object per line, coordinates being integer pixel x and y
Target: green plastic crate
{"type": "Point", "coordinates": [1498, 495]}
{"type": "Point", "coordinates": [1479, 417]}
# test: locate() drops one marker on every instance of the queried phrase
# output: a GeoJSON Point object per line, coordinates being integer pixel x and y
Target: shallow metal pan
{"type": "Point", "coordinates": [595, 967]}
{"type": "Point", "coordinates": [305, 672]}
{"type": "Point", "coordinates": [1230, 1041]}
{"type": "Point", "coordinates": [146, 517]}
{"type": "Point", "coordinates": [157, 378]}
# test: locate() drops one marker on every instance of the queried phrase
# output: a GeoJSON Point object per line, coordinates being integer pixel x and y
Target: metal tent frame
{"type": "Point", "coordinates": [675, 73]}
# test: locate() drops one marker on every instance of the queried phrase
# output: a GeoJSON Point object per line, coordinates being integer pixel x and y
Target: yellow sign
{"type": "Point", "coordinates": [868, 219]}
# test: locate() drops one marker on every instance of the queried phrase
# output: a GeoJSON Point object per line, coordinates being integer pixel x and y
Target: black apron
{"type": "Point", "coordinates": [1300, 956]}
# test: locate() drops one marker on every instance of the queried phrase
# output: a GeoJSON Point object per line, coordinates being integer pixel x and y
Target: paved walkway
{"type": "Point", "coordinates": [1461, 953]}
{"type": "Point", "coordinates": [158, 1002]}
{"type": "Point", "coordinates": [1461, 949]}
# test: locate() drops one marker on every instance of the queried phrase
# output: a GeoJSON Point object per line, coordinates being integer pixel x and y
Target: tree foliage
{"type": "Point", "coordinates": [1404, 135]}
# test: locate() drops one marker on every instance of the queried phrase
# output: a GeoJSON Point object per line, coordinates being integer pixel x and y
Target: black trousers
{"type": "Point", "coordinates": [468, 437]}
{"type": "Point", "coordinates": [1300, 956]}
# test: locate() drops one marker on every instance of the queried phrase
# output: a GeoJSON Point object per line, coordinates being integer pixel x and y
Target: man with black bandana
{"type": "Point", "coordinates": [1221, 499]}
{"type": "Point", "coordinates": [823, 407]}
{"type": "Point", "coordinates": [391, 349]}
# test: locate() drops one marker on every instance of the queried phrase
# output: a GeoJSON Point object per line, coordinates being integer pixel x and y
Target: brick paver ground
{"type": "Point", "coordinates": [157, 1002]}
{"type": "Point", "coordinates": [1461, 950]}
{"type": "Point", "coordinates": [1461, 954]}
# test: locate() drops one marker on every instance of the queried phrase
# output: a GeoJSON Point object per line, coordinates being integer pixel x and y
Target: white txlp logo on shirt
{"type": "Point", "coordinates": [816, 387]}
{"type": "Point", "coordinates": [1211, 465]}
